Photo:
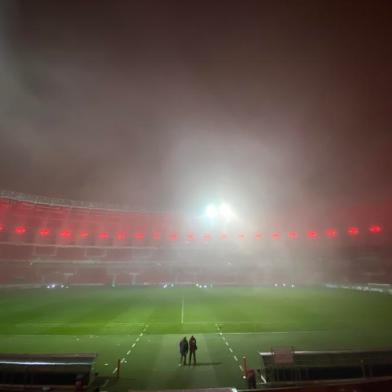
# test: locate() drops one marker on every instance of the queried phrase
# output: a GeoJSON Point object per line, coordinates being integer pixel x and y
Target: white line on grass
{"type": "Point", "coordinates": [105, 383]}
{"type": "Point", "coordinates": [228, 346]}
{"type": "Point", "coordinates": [133, 345]}
{"type": "Point", "coordinates": [274, 332]}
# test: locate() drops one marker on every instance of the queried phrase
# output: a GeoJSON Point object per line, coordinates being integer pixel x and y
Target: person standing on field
{"type": "Point", "coordinates": [192, 349]}
{"type": "Point", "coordinates": [183, 350]}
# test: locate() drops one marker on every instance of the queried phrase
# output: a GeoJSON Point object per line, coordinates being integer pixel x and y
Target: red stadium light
{"type": "Point", "coordinates": [83, 234]}
{"type": "Point", "coordinates": [156, 236]}
{"type": "Point", "coordinates": [331, 233]}
{"type": "Point", "coordinates": [353, 231]}
{"type": "Point", "coordinates": [103, 235]}
{"type": "Point", "coordinates": [223, 236]}
{"type": "Point", "coordinates": [241, 236]}
{"type": "Point", "coordinates": [312, 234]}
{"type": "Point", "coordinates": [375, 229]}
{"type": "Point", "coordinates": [20, 230]}
{"type": "Point", "coordinates": [173, 237]}
{"type": "Point", "coordinates": [44, 232]}
{"type": "Point", "coordinates": [292, 235]}
{"type": "Point", "coordinates": [259, 236]}
{"type": "Point", "coordinates": [65, 233]}
{"type": "Point", "coordinates": [121, 235]}
{"type": "Point", "coordinates": [275, 235]}
{"type": "Point", "coordinates": [190, 237]}
{"type": "Point", "coordinates": [139, 236]}
{"type": "Point", "coordinates": [207, 237]}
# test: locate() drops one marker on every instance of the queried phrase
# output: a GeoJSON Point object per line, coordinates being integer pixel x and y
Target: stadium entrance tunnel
{"type": "Point", "coordinates": [44, 370]}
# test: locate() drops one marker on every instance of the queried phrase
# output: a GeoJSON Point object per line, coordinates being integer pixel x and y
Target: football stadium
{"type": "Point", "coordinates": [121, 289]}
{"type": "Point", "coordinates": [195, 196]}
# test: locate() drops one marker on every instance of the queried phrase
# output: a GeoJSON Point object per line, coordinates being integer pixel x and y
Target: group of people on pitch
{"type": "Point", "coordinates": [186, 346]}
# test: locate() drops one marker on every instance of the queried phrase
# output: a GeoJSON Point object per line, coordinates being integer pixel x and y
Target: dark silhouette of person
{"type": "Point", "coordinates": [183, 350]}
{"type": "Point", "coordinates": [192, 349]}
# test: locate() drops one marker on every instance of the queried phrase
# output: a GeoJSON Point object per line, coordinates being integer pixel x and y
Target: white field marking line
{"type": "Point", "coordinates": [228, 346]}
{"type": "Point", "coordinates": [105, 383]}
{"type": "Point", "coordinates": [74, 324]}
{"type": "Point", "coordinates": [274, 332]}
{"type": "Point", "coordinates": [182, 311]}
{"type": "Point", "coordinates": [133, 345]}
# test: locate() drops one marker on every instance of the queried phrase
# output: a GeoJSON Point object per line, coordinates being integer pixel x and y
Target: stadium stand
{"type": "Point", "coordinates": [95, 243]}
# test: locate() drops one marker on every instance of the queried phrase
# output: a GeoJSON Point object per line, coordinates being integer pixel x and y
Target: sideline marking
{"type": "Point", "coordinates": [228, 346]}
{"type": "Point", "coordinates": [105, 383]}
{"type": "Point", "coordinates": [133, 345]}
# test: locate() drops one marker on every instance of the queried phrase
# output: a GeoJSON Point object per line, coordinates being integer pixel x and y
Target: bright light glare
{"type": "Point", "coordinates": [223, 212]}
{"type": "Point", "coordinates": [226, 212]}
{"type": "Point", "coordinates": [211, 211]}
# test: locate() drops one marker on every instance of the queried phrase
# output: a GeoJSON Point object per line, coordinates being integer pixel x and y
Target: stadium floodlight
{"type": "Point", "coordinates": [226, 212]}
{"type": "Point", "coordinates": [222, 212]}
{"type": "Point", "coordinates": [211, 211]}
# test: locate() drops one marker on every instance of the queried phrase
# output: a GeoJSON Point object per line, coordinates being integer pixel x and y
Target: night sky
{"type": "Point", "coordinates": [167, 105]}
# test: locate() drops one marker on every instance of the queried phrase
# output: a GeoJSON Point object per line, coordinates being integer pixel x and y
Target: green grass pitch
{"type": "Point", "coordinates": [142, 327]}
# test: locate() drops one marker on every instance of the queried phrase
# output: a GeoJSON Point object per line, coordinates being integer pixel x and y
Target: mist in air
{"type": "Point", "coordinates": [281, 109]}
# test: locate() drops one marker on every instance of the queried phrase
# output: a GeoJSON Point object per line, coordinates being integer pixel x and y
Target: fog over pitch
{"type": "Point", "coordinates": [166, 105]}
